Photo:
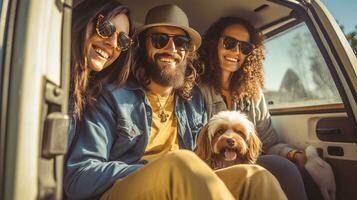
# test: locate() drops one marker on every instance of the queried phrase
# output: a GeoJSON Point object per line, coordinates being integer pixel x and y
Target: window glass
{"type": "Point", "coordinates": [345, 14]}
{"type": "Point", "coordinates": [296, 74]}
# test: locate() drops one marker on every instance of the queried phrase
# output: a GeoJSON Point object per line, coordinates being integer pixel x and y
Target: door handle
{"type": "Point", "coordinates": [329, 131]}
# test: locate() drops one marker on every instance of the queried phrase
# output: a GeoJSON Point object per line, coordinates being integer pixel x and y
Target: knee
{"type": "Point", "coordinates": [275, 163]}
{"type": "Point", "coordinates": [256, 174]}
{"type": "Point", "coordinates": [182, 155]}
{"type": "Point", "coordinates": [284, 170]}
{"type": "Point", "coordinates": [259, 172]}
{"type": "Point", "coordinates": [187, 165]}
{"type": "Point", "coordinates": [249, 170]}
{"type": "Point", "coordinates": [266, 184]}
{"type": "Point", "coordinates": [184, 160]}
{"type": "Point", "coordinates": [252, 174]}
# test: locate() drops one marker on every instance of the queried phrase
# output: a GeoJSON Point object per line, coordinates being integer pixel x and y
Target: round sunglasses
{"type": "Point", "coordinates": [160, 40]}
{"type": "Point", "coordinates": [105, 29]}
{"type": "Point", "coordinates": [230, 43]}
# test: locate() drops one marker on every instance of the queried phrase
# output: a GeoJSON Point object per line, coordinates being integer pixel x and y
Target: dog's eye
{"type": "Point", "coordinates": [241, 134]}
{"type": "Point", "coordinates": [220, 131]}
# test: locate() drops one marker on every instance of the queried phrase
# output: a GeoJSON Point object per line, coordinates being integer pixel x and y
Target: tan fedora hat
{"type": "Point", "coordinates": [170, 15]}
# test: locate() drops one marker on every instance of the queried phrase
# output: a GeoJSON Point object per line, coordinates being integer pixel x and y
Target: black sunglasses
{"type": "Point", "coordinates": [106, 29]}
{"type": "Point", "coordinates": [160, 40]}
{"type": "Point", "coordinates": [230, 43]}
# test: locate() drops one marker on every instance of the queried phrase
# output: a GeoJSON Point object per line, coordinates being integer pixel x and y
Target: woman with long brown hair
{"type": "Point", "coordinates": [232, 55]}
{"type": "Point", "coordinates": [101, 52]}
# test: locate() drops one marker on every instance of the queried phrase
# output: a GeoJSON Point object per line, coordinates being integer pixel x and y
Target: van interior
{"type": "Point", "coordinates": [310, 84]}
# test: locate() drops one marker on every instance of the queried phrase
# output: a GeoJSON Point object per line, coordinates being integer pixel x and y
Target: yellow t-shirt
{"type": "Point", "coordinates": [163, 135]}
{"type": "Point", "coordinates": [227, 98]}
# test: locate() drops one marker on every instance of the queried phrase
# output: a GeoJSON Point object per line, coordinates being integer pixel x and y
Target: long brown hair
{"type": "Point", "coordinates": [246, 81]}
{"type": "Point", "coordinates": [140, 70]}
{"type": "Point", "coordinates": [86, 85]}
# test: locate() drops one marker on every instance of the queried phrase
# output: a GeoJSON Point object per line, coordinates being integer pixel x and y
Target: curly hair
{"type": "Point", "coordinates": [86, 84]}
{"type": "Point", "coordinates": [248, 80]}
{"type": "Point", "coordinates": [141, 74]}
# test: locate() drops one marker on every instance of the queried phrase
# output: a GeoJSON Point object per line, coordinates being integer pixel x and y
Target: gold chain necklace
{"type": "Point", "coordinates": [163, 116]}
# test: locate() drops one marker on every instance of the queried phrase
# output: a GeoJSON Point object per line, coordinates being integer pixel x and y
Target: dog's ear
{"type": "Point", "coordinates": [255, 146]}
{"type": "Point", "coordinates": [203, 149]}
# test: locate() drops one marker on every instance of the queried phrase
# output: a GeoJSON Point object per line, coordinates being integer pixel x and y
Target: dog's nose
{"type": "Point", "coordinates": [230, 142]}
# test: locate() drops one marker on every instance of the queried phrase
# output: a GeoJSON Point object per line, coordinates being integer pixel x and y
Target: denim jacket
{"type": "Point", "coordinates": [113, 134]}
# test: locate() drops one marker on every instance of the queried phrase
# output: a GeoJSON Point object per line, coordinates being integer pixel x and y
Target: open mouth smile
{"type": "Point", "coordinates": [231, 59]}
{"type": "Point", "coordinates": [229, 154]}
{"type": "Point", "coordinates": [102, 53]}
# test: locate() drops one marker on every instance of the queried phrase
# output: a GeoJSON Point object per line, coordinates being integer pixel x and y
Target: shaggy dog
{"type": "Point", "coordinates": [228, 138]}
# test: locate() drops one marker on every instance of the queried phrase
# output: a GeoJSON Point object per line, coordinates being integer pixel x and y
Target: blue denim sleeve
{"type": "Point", "coordinates": [203, 106]}
{"type": "Point", "coordinates": [71, 130]}
{"type": "Point", "coordinates": [203, 113]}
{"type": "Point", "coordinates": [88, 171]}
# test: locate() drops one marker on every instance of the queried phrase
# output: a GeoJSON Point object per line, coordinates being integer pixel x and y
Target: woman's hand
{"type": "Point", "coordinates": [300, 158]}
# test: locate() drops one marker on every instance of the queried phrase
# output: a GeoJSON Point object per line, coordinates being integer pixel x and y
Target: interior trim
{"type": "Point", "coordinates": [329, 108]}
{"type": "Point", "coordinates": [8, 17]}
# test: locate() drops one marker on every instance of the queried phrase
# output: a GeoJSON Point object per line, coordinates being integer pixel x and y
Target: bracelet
{"type": "Point", "coordinates": [291, 154]}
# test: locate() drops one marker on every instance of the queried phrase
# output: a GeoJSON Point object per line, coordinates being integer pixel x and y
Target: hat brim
{"type": "Point", "coordinates": [194, 35]}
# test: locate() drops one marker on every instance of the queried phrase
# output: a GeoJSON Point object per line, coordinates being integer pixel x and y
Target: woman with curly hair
{"type": "Point", "coordinates": [232, 55]}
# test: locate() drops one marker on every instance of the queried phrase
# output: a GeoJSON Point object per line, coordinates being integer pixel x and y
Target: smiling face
{"type": "Point", "coordinates": [102, 52]}
{"type": "Point", "coordinates": [231, 60]}
{"type": "Point", "coordinates": [229, 140]}
{"type": "Point", "coordinates": [166, 65]}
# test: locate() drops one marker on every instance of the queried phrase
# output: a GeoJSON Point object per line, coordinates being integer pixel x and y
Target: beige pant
{"type": "Point", "coordinates": [182, 175]}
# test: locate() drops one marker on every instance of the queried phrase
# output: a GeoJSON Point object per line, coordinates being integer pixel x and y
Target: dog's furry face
{"type": "Point", "coordinates": [228, 138]}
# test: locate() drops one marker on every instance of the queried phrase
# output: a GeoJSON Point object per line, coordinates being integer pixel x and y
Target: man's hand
{"type": "Point", "coordinates": [321, 172]}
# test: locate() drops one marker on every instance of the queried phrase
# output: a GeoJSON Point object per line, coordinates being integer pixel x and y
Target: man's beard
{"type": "Point", "coordinates": [166, 75]}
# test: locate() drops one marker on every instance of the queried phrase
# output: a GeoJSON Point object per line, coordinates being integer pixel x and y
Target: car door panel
{"type": "Point", "coordinates": [299, 130]}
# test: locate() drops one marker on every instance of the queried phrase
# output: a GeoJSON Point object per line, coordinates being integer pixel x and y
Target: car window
{"type": "Point", "coordinates": [296, 74]}
{"type": "Point", "coordinates": [345, 14]}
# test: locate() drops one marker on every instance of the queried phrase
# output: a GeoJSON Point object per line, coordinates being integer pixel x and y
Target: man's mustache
{"type": "Point", "coordinates": [172, 55]}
